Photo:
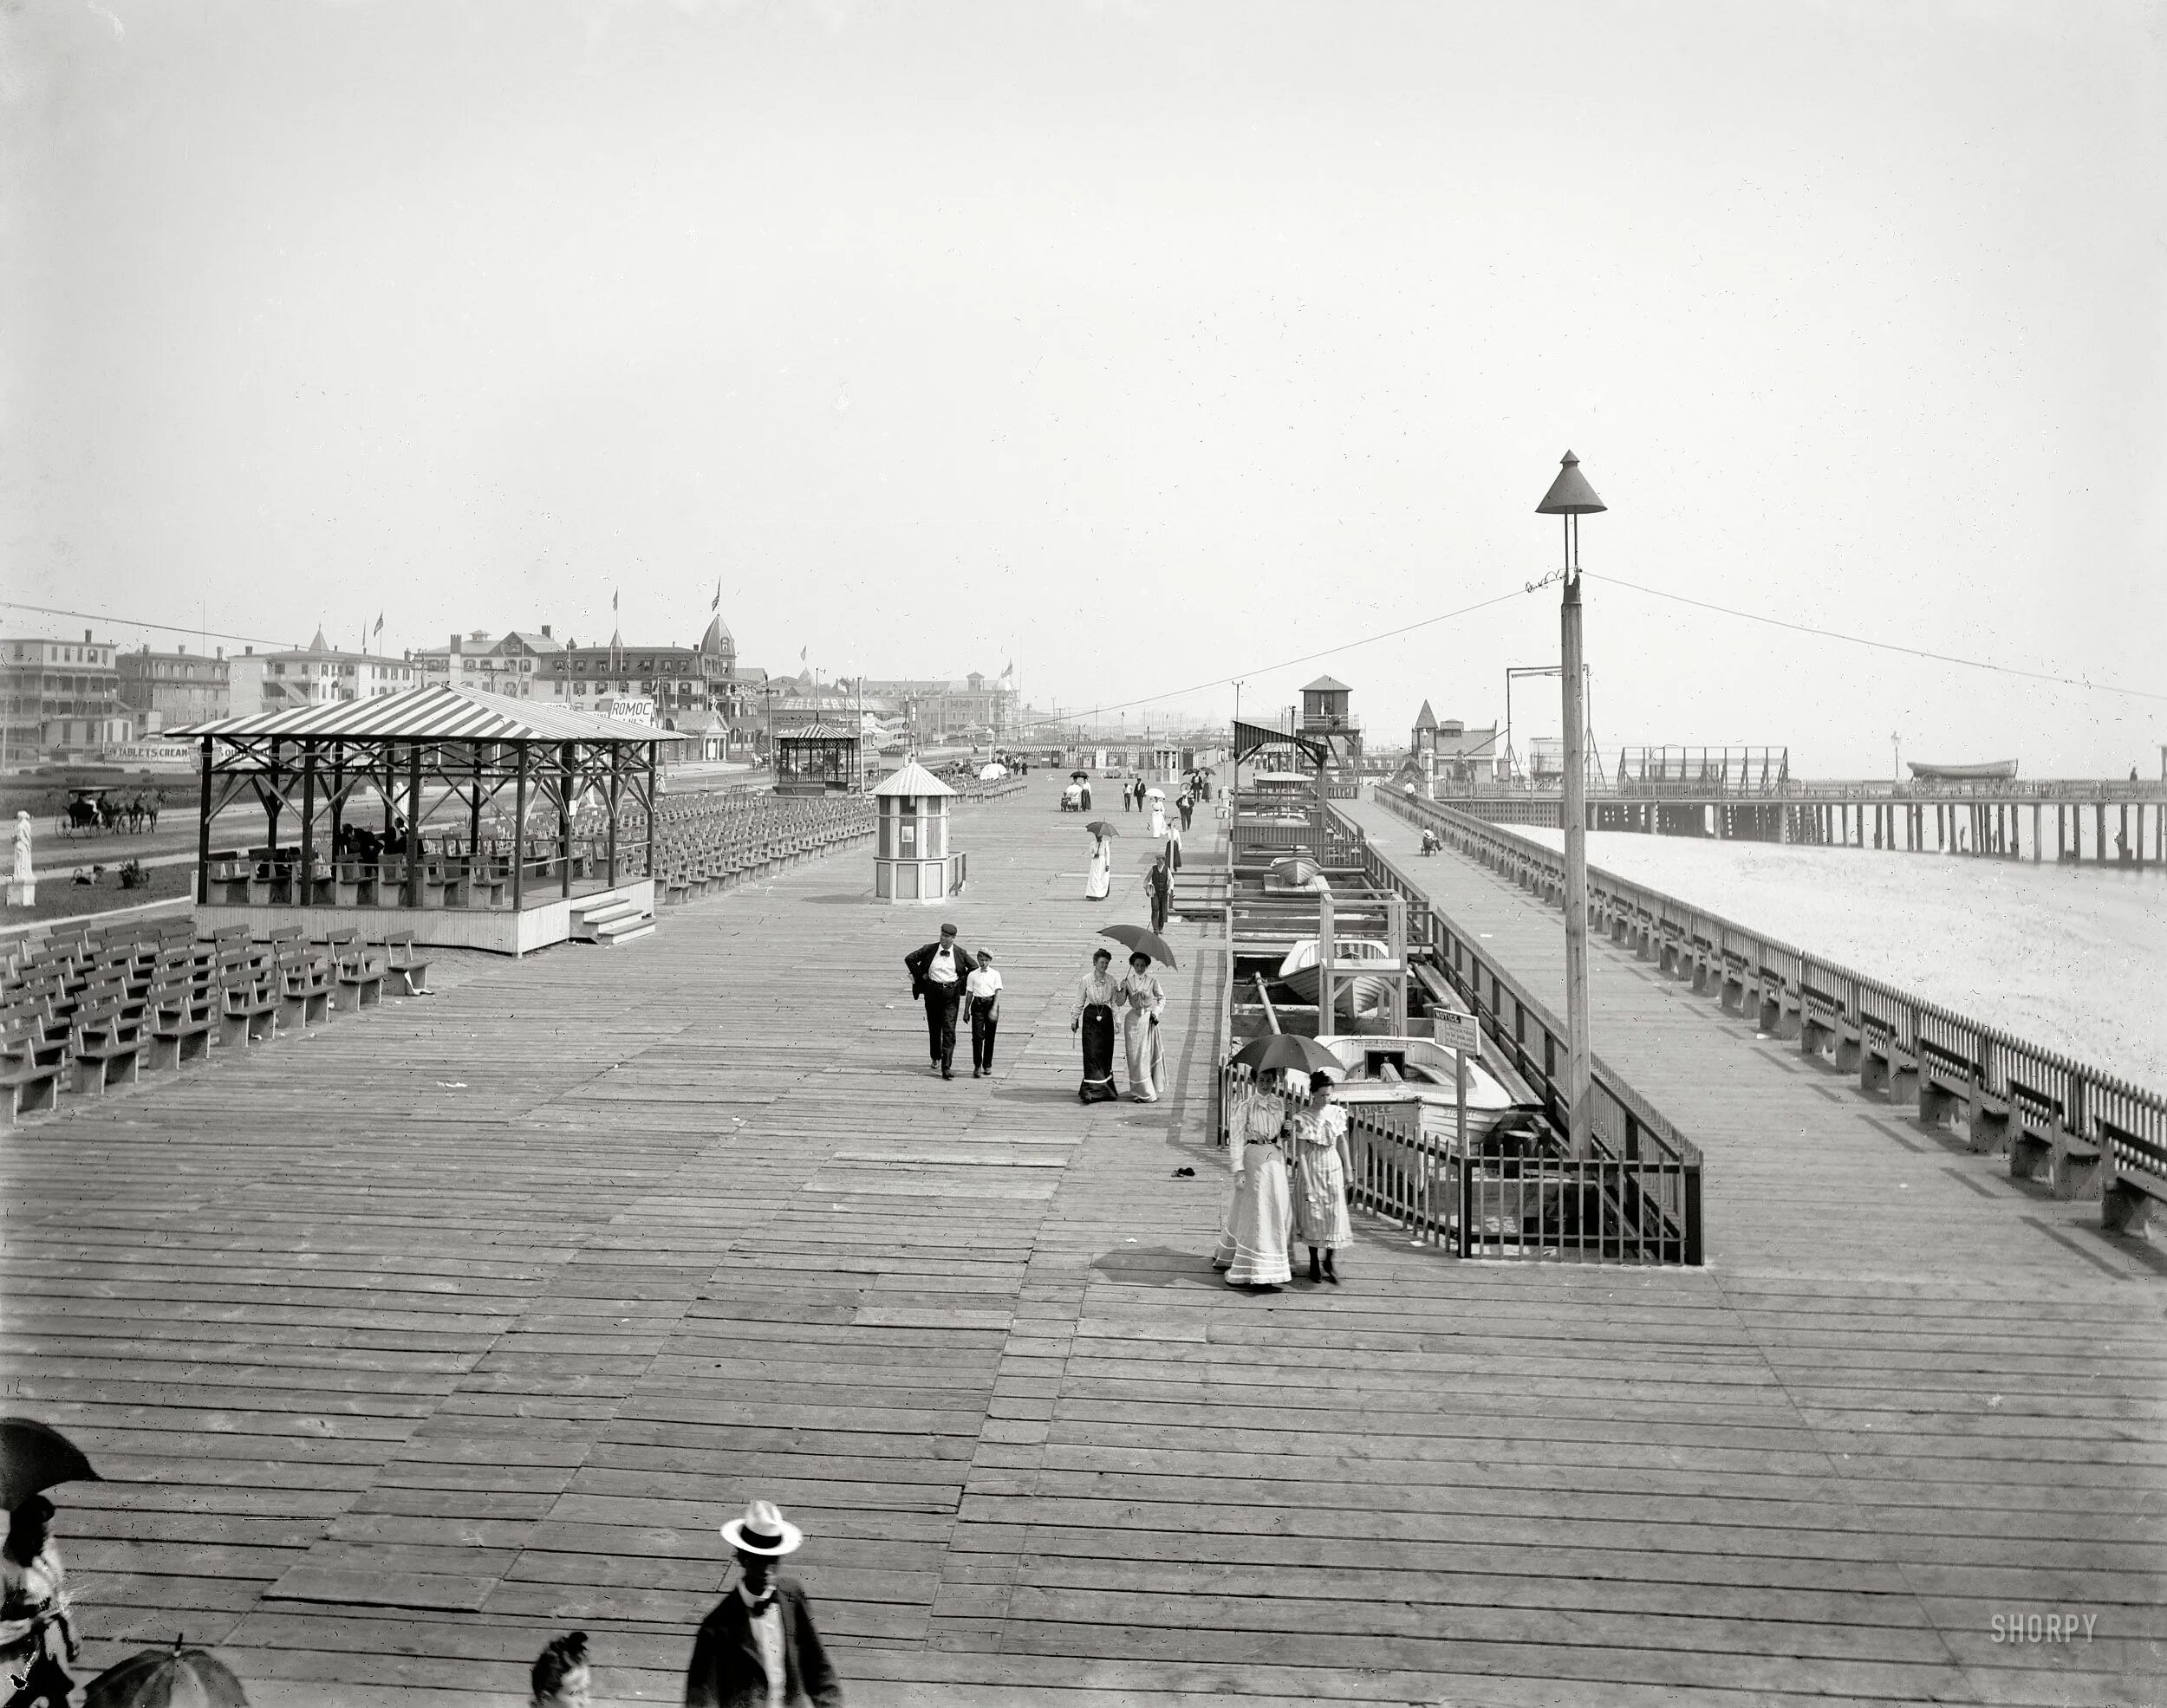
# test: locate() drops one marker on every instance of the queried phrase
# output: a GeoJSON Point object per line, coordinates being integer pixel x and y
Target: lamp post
{"type": "Point", "coordinates": [1571, 498]}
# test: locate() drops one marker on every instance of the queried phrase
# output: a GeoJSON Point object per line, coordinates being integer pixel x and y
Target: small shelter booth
{"type": "Point", "coordinates": [470, 819]}
{"type": "Point", "coordinates": [819, 759]}
{"type": "Point", "coordinates": [913, 859]}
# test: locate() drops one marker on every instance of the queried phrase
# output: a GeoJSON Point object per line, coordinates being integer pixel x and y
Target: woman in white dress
{"type": "Point", "coordinates": [1252, 1238]}
{"type": "Point", "coordinates": [1158, 818]}
{"type": "Point", "coordinates": [1320, 1184]}
{"type": "Point", "coordinates": [1099, 878]}
{"type": "Point", "coordinates": [1142, 1000]}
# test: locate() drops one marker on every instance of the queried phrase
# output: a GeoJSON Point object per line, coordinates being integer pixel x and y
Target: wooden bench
{"type": "Point", "coordinates": [2040, 1137]}
{"type": "Point", "coordinates": [2134, 1178]}
{"type": "Point", "coordinates": [106, 1051]}
{"type": "Point", "coordinates": [181, 1029]}
{"type": "Point", "coordinates": [304, 985]}
{"type": "Point", "coordinates": [406, 972]}
{"type": "Point", "coordinates": [29, 1089]}
{"type": "Point", "coordinates": [360, 980]}
{"type": "Point", "coordinates": [250, 1012]}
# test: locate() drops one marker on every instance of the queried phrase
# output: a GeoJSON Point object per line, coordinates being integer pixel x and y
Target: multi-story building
{"type": "Point", "coordinates": [164, 691]}
{"type": "Point", "coordinates": [1448, 754]}
{"type": "Point", "coordinates": [515, 663]}
{"type": "Point", "coordinates": [680, 680]}
{"type": "Point", "coordinates": [940, 707]}
{"type": "Point", "coordinates": [316, 674]}
{"type": "Point", "coordinates": [59, 697]}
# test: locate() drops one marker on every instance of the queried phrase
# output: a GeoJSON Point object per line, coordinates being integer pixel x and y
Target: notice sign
{"type": "Point", "coordinates": [1455, 1031]}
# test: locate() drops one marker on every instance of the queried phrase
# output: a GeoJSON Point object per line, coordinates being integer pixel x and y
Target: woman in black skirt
{"type": "Point", "coordinates": [1092, 1020]}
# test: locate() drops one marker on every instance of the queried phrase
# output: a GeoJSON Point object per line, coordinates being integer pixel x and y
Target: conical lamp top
{"type": "Point", "coordinates": [1570, 494]}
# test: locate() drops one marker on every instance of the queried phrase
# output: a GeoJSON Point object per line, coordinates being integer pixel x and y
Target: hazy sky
{"type": "Point", "coordinates": [1143, 344]}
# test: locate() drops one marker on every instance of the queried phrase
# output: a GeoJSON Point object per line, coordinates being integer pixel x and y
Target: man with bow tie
{"type": "Point", "coordinates": [758, 1649]}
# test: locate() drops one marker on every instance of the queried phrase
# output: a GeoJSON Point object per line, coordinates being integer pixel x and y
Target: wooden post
{"type": "Point", "coordinates": [305, 868]}
{"type": "Point", "coordinates": [617, 752]}
{"type": "Point", "coordinates": [2036, 838]}
{"type": "Point", "coordinates": [203, 833]}
{"type": "Point", "coordinates": [2099, 839]}
{"type": "Point", "coordinates": [1327, 952]}
{"type": "Point", "coordinates": [520, 827]}
{"type": "Point", "coordinates": [564, 814]}
{"type": "Point", "coordinates": [654, 808]}
{"type": "Point", "coordinates": [413, 825]}
{"type": "Point", "coordinates": [474, 824]}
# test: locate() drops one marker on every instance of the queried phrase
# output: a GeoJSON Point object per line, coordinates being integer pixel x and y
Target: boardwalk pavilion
{"type": "Point", "coordinates": [471, 819]}
{"type": "Point", "coordinates": [819, 759]}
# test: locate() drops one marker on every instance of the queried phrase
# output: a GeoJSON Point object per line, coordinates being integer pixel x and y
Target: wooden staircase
{"type": "Point", "coordinates": [611, 920]}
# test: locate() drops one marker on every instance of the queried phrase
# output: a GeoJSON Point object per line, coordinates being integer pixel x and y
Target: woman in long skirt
{"type": "Point", "coordinates": [1142, 999]}
{"type": "Point", "coordinates": [1319, 1183]}
{"type": "Point", "coordinates": [1099, 878]}
{"type": "Point", "coordinates": [1092, 1022]}
{"type": "Point", "coordinates": [1158, 821]}
{"type": "Point", "coordinates": [1253, 1235]}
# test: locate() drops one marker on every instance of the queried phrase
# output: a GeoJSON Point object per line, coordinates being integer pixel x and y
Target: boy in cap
{"type": "Point", "coordinates": [758, 1649]}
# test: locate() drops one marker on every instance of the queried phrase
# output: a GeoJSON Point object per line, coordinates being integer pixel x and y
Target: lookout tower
{"type": "Point", "coordinates": [913, 860]}
{"type": "Point", "coordinates": [1326, 717]}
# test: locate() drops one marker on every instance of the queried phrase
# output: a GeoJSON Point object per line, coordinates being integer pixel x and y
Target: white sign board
{"type": "Point", "coordinates": [1455, 1031]}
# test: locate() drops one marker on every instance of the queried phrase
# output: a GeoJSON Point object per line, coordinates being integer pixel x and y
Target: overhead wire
{"type": "Point", "coordinates": [1879, 645]}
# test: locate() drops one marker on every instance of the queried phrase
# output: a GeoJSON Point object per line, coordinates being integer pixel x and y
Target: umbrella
{"type": "Point", "coordinates": [1137, 938]}
{"type": "Point", "coordinates": [174, 1678]}
{"type": "Point", "coordinates": [1098, 826]}
{"type": "Point", "coordinates": [33, 1457]}
{"type": "Point", "coordinates": [1081, 776]}
{"type": "Point", "coordinates": [987, 773]}
{"type": "Point", "coordinates": [1284, 1053]}
{"type": "Point", "coordinates": [1155, 795]}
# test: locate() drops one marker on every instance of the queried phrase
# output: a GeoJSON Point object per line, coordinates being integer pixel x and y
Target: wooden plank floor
{"type": "Point", "coordinates": [414, 1341]}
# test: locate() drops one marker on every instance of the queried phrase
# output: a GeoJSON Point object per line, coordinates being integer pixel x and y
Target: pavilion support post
{"type": "Point", "coordinates": [338, 797]}
{"type": "Point", "coordinates": [654, 805]}
{"type": "Point", "coordinates": [203, 833]}
{"type": "Point", "coordinates": [564, 814]}
{"type": "Point", "coordinates": [616, 754]}
{"type": "Point", "coordinates": [272, 805]}
{"type": "Point", "coordinates": [519, 828]}
{"type": "Point", "coordinates": [413, 825]}
{"type": "Point", "coordinates": [305, 865]}
{"type": "Point", "coordinates": [474, 820]}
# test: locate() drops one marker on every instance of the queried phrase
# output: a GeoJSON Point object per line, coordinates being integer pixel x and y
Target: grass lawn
{"type": "Point", "coordinates": [59, 901]}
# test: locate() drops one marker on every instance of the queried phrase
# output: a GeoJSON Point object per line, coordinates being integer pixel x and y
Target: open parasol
{"type": "Point", "coordinates": [1138, 938]}
{"type": "Point", "coordinates": [174, 1678]}
{"type": "Point", "coordinates": [33, 1457]}
{"type": "Point", "coordinates": [1098, 826]}
{"type": "Point", "coordinates": [1283, 1052]}
{"type": "Point", "coordinates": [1080, 776]}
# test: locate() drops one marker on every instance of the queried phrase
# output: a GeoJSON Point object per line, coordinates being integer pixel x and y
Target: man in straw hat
{"type": "Point", "coordinates": [758, 1649]}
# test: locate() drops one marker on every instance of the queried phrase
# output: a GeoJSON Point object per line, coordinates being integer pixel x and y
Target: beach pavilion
{"type": "Point", "coordinates": [471, 819]}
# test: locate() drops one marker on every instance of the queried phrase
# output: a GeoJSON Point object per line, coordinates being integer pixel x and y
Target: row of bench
{"type": "Point", "coordinates": [2048, 1129]}
{"type": "Point", "coordinates": [85, 1014]}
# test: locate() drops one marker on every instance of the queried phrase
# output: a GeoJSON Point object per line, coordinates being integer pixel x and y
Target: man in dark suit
{"type": "Point", "coordinates": [760, 1634]}
{"type": "Point", "coordinates": [937, 974]}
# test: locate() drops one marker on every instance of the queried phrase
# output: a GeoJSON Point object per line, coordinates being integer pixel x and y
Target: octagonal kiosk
{"type": "Point", "coordinates": [913, 860]}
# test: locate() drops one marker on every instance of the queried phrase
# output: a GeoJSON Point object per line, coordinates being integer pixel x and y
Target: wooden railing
{"type": "Point", "coordinates": [2082, 1128]}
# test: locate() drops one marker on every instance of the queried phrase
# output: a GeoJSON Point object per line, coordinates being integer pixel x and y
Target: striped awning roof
{"type": "Point", "coordinates": [438, 713]}
{"type": "Point", "coordinates": [818, 732]}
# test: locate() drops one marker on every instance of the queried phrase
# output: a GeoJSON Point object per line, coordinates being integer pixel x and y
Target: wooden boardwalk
{"type": "Point", "coordinates": [414, 1342]}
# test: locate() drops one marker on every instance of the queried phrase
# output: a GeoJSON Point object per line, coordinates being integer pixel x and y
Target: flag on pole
{"type": "Point", "coordinates": [613, 601]}
{"type": "Point", "coordinates": [1010, 671]}
{"type": "Point", "coordinates": [802, 651]}
{"type": "Point", "coordinates": [380, 623]}
{"type": "Point", "coordinates": [716, 606]}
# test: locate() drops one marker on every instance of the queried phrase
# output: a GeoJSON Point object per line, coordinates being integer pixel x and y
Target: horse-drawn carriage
{"type": "Point", "coordinates": [97, 809]}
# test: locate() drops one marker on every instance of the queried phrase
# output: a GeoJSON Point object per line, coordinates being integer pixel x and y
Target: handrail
{"type": "Point", "coordinates": [2126, 1124]}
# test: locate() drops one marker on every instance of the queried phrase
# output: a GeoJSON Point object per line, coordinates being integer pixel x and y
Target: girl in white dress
{"type": "Point", "coordinates": [1142, 1000]}
{"type": "Point", "coordinates": [1254, 1239]}
{"type": "Point", "coordinates": [1320, 1184]}
{"type": "Point", "coordinates": [1100, 878]}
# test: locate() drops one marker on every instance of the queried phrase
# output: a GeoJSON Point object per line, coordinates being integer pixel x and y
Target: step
{"type": "Point", "coordinates": [623, 931]}
{"type": "Point", "coordinates": [590, 920]}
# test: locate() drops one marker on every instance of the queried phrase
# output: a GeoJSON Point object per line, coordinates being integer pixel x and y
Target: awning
{"type": "Point", "coordinates": [434, 714]}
